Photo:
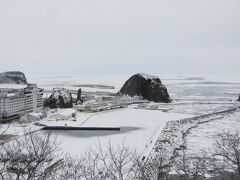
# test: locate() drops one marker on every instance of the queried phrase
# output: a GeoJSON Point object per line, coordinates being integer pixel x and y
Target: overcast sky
{"type": "Point", "coordinates": [120, 36]}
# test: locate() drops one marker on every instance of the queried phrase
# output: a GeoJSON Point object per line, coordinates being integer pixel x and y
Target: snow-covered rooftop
{"type": "Point", "coordinates": [12, 86]}
{"type": "Point", "coordinates": [35, 114]}
{"type": "Point", "coordinates": [64, 112]}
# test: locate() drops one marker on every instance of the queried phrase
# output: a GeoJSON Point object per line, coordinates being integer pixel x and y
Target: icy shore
{"type": "Point", "coordinates": [171, 138]}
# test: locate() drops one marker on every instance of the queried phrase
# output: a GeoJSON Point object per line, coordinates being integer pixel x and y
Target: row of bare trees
{"type": "Point", "coordinates": [37, 156]}
{"type": "Point", "coordinates": [222, 162]}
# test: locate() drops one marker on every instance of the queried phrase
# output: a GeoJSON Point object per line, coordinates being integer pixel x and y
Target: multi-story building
{"type": "Point", "coordinates": [16, 102]}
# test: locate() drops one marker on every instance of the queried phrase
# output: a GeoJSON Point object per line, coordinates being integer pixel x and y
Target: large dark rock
{"type": "Point", "coordinates": [13, 77]}
{"type": "Point", "coordinates": [147, 87]}
{"type": "Point", "coordinates": [60, 98]}
{"type": "Point", "coordinates": [79, 96]}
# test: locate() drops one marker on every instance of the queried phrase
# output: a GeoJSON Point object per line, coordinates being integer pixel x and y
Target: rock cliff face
{"type": "Point", "coordinates": [13, 77]}
{"type": "Point", "coordinates": [147, 87]}
{"type": "Point", "coordinates": [79, 96]}
{"type": "Point", "coordinates": [60, 98]}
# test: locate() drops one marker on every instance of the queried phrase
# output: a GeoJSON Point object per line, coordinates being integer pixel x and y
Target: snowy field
{"type": "Point", "coordinates": [138, 129]}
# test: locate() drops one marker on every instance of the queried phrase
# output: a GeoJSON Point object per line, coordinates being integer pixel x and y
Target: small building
{"type": "Point", "coordinates": [63, 114]}
{"type": "Point", "coordinates": [34, 116]}
{"type": "Point", "coordinates": [91, 106]}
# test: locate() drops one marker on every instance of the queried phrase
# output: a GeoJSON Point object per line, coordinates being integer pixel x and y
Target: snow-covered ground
{"type": "Point", "coordinates": [18, 129]}
{"type": "Point", "coordinates": [191, 95]}
{"type": "Point", "coordinates": [138, 128]}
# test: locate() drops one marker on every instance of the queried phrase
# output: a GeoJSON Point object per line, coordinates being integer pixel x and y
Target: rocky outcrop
{"type": "Point", "coordinates": [60, 98]}
{"type": "Point", "coordinates": [147, 87]}
{"type": "Point", "coordinates": [79, 96]}
{"type": "Point", "coordinates": [13, 77]}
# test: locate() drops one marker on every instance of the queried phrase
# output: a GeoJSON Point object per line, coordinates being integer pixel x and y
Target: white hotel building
{"type": "Point", "coordinates": [16, 102]}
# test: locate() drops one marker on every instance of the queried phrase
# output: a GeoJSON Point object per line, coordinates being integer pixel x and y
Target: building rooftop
{"type": "Point", "coordinates": [64, 112]}
{"type": "Point", "coordinates": [12, 86]}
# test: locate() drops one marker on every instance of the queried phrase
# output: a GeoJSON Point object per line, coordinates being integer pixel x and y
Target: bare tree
{"type": "Point", "coordinates": [122, 162]}
{"type": "Point", "coordinates": [72, 168]}
{"type": "Point", "coordinates": [111, 163]}
{"type": "Point", "coordinates": [3, 129]}
{"type": "Point", "coordinates": [227, 147]}
{"type": "Point", "coordinates": [3, 172]}
{"type": "Point", "coordinates": [143, 168]}
{"type": "Point", "coordinates": [155, 168]}
{"type": "Point", "coordinates": [194, 167]}
{"type": "Point", "coordinates": [32, 156]}
{"type": "Point", "coordinates": [118, 162]}
{"type": "Point", "coordinates": [128, 164]}
{"type": "Point", "coordinates": [85, 167]}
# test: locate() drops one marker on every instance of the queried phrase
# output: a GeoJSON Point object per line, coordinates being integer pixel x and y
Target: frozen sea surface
{"type": "Point", "coordinates": [203, 137]}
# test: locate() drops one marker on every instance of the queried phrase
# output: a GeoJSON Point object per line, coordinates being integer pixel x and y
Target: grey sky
{"type": "Point", "coordinates": [124, 36]}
